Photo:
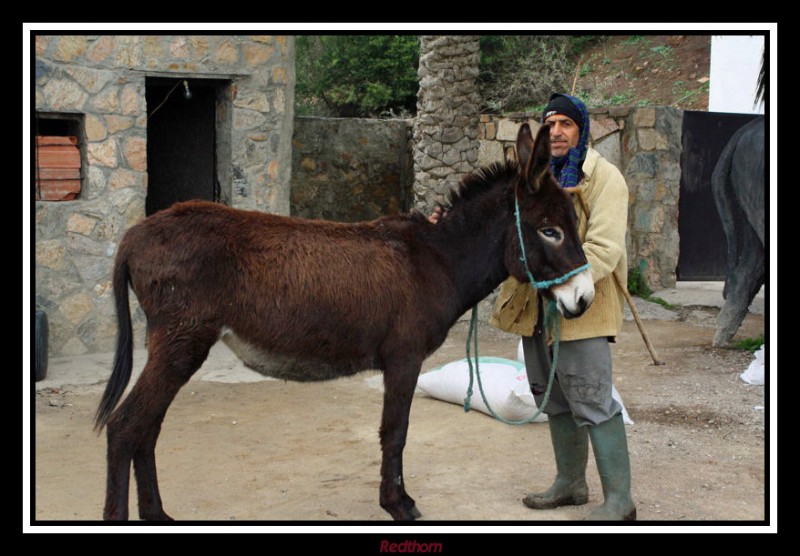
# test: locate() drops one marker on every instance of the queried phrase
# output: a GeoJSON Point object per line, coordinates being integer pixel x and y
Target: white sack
{"type": "Point", "coordinates": [505, 384]}
{"type": "Point", "coordinates": [755, 372]}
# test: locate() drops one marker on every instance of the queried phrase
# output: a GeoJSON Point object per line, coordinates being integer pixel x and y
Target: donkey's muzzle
{"type": "Point", "coordinates": [574, 296]}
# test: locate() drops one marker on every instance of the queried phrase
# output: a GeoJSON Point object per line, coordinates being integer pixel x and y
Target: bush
{"type": "Point", "coordinates": [750, 344]}
{"type": "Point", "coordinates": [520, 72]}
{"type": "Point", "coordinates": [356, 75]}
{"type": "Point", "coordinates": [637, 284]}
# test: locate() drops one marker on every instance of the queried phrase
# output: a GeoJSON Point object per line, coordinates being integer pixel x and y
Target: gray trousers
{"type": "Point", "coordinates": [582, 385]}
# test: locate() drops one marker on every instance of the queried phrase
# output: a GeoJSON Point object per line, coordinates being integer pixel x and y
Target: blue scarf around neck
{"type": "Point", "coordinates": [567, 168]}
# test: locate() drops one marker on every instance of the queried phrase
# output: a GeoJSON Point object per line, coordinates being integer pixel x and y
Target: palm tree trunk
{"type": "Point", "coordinates": [446, 126]}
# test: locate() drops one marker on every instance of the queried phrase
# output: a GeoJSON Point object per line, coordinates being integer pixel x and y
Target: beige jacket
{"type": "Point", "coordinates": [606, 195]}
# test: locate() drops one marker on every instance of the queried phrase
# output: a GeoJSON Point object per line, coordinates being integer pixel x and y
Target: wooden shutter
{"type": "Point", "coordinates": [58, 168]}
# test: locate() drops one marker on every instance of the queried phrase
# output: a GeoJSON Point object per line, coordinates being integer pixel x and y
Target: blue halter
{"type": "Point", "coordinates": [544, 284]}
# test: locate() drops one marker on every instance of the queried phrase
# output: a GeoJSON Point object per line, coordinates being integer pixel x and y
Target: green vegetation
{"type": "Point", "coordinates": [636, 39]}
{"type": "Point", "coordinates": [637, 285]}
{"type": "Point", "coordinates": [684, 93]}
{"type": "Point", "coordinates": [519, 72]}
{"type": "Point", "coordinates": [750, 344]}
{"type": "Point", "coordinates": [665, 51]}
{"type": "Point", "coordinates": [619, 98]}
{"type": "Point", "coordinates": [376, 75]}
{"type": "Point", "coordinates": [356, 75]}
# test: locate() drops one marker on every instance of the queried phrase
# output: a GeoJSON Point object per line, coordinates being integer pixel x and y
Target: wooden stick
{"type": "Point", "coordinates": [577, 71]}
{"type": "Point", "coordinates": [624, 289]}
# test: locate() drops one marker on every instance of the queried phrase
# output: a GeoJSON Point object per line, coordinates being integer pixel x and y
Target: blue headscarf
{"type": "Point", "coordinates": [567, 168]}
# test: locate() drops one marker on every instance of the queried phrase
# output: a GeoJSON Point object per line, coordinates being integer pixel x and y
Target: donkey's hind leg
{"type": "Point", "coordinates": [400, 379]}
{"type": "Point", "coordinates": [134, 428]}
{"type": "Point", "coordinates": [744, 278]}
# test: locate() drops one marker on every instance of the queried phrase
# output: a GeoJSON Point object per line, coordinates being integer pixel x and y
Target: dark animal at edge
{"type": "Point", "coordinates": [313, 300]}
{"type": "Point", "coordinates": [738, 185]}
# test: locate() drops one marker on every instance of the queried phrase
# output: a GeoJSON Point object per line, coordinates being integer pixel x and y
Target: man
{"type": "Point", "coordinates": [580, 407]}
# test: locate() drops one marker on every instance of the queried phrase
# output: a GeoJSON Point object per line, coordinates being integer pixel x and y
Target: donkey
{"type": "Point", "coordinates": [313, 300]}
{"type": "Point", "coordinates": [738, 184]}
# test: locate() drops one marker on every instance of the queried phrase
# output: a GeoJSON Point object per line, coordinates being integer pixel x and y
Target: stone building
{"type": "Point", "coordinates": [148, 120]}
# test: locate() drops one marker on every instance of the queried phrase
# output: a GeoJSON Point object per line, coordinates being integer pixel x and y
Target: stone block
{"type": "Point", "coordinates": [602, 127]}
{"type": "Point", "coordinates": [76, 307]}
{"type": "Point", "coordinates": [644, 164]}
{"type": "Point", "coordinates": [644, 117]}
{"type": "Point", "coordinates": [135, 149]}
{"type": "Point", "coordinates": [609, 147]}
{"type": "Point", "coordinates": [646, 138]}
{"type": "Point", "coordinates": [490, 132]}
{"type": "Point", "coordinates": [64, 95]}
{"type": "Point", "coordinates": [489, 152]}
{"type": "Point", "coordinates": [103, 153]}
{"type": "Point", "coordinates": [507, 130]}
{"type": "Point", "coordinates": [69, 47]}
{"type": "Point", "coordinates": [50, 254]}
{"type": "Point", "coordinates": [619, 111]}
{"type": "Point", "coordinates": [81, 224]}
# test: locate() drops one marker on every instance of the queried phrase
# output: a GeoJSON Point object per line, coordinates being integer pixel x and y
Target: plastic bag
{"type": "Point", "coordinates": [755, 372]}
{"type": "Point", "coordinates": [505, 384]}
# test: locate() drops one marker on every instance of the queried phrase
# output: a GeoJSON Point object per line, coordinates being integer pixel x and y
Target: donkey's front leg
{"type": "Point", "coordinates": [399, 381]}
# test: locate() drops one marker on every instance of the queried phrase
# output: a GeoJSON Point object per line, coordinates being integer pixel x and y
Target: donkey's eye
{"type": "Point", "coordinates": [551, 233]}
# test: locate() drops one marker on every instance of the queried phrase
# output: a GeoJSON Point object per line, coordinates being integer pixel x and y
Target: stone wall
{"type": "Point", "coordinates": [652, 168]}
{"type": "Point", "coordinates": [350, 169]}
{"type": "Point", "coordinates": [100, 81]}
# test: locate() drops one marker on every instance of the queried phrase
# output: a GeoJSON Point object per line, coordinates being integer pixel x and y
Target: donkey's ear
{"type": "Point", "coordinates": [524, 145]}
{"type": "Point", "coordinates": [537, 164]}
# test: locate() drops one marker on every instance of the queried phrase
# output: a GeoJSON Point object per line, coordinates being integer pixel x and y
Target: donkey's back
{"type": "Point", "coordinates": [296, 299]}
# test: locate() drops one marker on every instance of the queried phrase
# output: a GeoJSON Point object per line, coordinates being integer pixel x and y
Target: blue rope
{"type": "Point", "coordinates": [467, 401]}
{"type": "Point", "coordinates": [551, 322]}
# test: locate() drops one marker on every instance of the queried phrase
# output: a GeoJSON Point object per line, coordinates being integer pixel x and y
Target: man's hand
{"type": "Point", "coordinates": [438, 213]}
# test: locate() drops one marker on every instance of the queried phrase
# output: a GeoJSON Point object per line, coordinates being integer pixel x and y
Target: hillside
{"type": "Point", "coordinates": [646, 70]}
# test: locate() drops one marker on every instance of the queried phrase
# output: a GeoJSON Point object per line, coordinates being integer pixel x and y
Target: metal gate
{"type": "Point", "coordinates": [703, 247]}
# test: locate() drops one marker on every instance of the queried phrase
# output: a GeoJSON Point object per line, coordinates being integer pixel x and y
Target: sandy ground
{"type": "Point", "coordinates": [284, 453]}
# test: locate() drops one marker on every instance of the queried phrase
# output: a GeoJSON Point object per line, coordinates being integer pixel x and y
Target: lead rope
{"type": "Point", "coordinates": [551, 320]}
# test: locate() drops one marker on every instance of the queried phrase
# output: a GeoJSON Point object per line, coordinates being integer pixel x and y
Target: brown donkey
{"type": "Point", "coordinates": [309, 300]}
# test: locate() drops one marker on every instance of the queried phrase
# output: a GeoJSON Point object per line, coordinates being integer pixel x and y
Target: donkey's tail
{"type": "Point", "coordinates": [123, 359]}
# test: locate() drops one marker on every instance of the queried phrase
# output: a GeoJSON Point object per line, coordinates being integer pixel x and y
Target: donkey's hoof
{"type": "Point", "coordinates": [401, 512]}
{"type": "Point", "coordinates": [112, 514]}
{"type": "Point", "coordinates": [160, 515]}
{"type": "Point", "coordinates": [406, 515]}
{"type": "Point", "coordinates": [411, 506]}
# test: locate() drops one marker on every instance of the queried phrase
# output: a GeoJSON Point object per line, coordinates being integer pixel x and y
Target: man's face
{"type": "Point", "coordinates": [564, 133]}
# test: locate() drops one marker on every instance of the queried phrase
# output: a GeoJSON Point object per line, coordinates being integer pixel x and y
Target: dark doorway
{"type": "Point", "coordinates": [181, 141]}
{"type": "Point", "coordinates": [703, 247]}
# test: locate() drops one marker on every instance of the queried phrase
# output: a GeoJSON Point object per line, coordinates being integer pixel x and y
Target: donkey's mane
{"type": "Point", "coordinates": [481, 180]}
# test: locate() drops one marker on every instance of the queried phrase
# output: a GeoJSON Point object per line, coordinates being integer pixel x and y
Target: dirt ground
{"type": "Point", "coordinates": [276, 451]}
{"type": "Point", "coordinates": [652, 70]}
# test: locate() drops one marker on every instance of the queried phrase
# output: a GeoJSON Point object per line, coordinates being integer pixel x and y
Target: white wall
{"type": "Point", "coordinates": [735, 61]}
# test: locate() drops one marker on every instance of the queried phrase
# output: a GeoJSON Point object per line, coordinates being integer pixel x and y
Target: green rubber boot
{"type": "Point", "coordinates": [610, 445]}
{"type": "Point", "coordinates": [571, 447]}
